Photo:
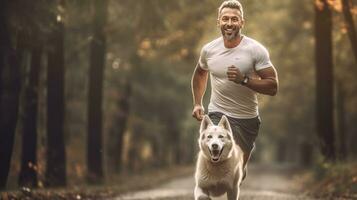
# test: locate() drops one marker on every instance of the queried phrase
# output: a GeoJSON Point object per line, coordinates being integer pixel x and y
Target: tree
{"type": "Point", "coordinates": [56, 157]}
{"type": "Point", "coordinates": [341, 121]}
{"type": "Point", "coordinates": [346, 4]}
{"type": "Point", "coordinates": [96, 70]}
{"type": "Point", "coordinates": [115, 140]}
{"type": "Point", "coordinates": [324, 79]}
{"type": "Point", "coordinates": [10, 85]}
{"type": "Point", "coordinates": [28, 173]}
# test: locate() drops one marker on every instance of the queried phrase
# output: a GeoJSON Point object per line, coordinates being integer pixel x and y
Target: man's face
{"type": "Point", "coordinates": [230, 22]}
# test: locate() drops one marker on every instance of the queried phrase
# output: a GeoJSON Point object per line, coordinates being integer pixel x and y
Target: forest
{"type": "Point", "coordinates": [95, 90]}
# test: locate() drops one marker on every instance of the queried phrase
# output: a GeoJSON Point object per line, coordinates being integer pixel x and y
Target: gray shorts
{"type": "Point", "coordinates": [245, 131]}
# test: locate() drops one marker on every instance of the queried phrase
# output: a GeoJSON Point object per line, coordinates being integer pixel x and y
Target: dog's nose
{"type": "Point", "coordinates": [214, 146]}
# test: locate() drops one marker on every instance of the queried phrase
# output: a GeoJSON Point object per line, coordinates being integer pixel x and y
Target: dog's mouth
{"type": "Point", "coordinates": [216, 154]}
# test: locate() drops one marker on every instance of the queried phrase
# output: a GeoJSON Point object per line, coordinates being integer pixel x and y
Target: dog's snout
{"type": "Point", "coordinates": [214, 146]}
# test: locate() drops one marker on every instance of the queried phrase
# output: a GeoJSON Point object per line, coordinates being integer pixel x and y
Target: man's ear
{"type": "Point", "coordinates": [242, 23]}
{"type": "Point", "coordinates": [224, 123]}
{"type": "Point", "coordinates": [206, 122]}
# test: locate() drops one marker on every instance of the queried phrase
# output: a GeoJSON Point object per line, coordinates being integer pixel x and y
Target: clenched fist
{"type": "Point", "coordinates": [198, 112]}
{"type": "Point", "coordinates": [234, 74]}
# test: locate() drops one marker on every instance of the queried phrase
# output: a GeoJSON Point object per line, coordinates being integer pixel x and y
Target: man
{"type": "Point", "coordinates": [239, 68]}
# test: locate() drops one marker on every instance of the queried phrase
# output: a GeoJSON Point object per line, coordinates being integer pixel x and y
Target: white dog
{"type": "Point", "coordinates": [219, 167]}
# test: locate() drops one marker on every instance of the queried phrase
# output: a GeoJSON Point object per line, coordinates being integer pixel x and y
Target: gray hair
{"type": "Point", "coordinates": [231, 4]}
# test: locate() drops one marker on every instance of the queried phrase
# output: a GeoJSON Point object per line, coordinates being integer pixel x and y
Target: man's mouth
{"type": "Point", "coordinates": [216, 154]}
{"type": "Point", "coordinates": [229, 30]}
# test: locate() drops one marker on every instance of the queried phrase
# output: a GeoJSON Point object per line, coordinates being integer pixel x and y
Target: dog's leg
{"type": "Point", "coordinates": [238, 191]}
{"type": "Point", "coordinates": [237, 183]}
{"type": "Point", "coordinates": [232, 194]}
{"type": "Point", "coordinates": [200, 194]}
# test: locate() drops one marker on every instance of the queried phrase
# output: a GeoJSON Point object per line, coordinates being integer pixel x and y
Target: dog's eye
{"type": "Point", "coordinates": [220, 136]}
{"type": "Point", "coordinates": [209, 136]}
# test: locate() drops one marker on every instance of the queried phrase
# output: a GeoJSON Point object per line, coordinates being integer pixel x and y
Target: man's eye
{"type": "Point", "coordinates": [209, 137]}
{"type": "Point", "coordinates": [220, 136]}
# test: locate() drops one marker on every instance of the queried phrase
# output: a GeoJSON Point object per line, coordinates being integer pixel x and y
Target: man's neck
{"type": "Point", "coordinates": [232, 43]}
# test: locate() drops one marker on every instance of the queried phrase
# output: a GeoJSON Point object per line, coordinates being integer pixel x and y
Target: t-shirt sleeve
{"type": "Point", "coordinates": [202, 61]}
{"type": "Point", "coordinates": [262, 58]}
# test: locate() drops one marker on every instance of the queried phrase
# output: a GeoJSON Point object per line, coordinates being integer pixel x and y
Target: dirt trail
{"type": "Point", "coordinates": [262, 183]}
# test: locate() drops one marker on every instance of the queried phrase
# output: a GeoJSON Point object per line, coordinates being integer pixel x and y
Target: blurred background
{"type": "Point", "coordinates": [91, 89]}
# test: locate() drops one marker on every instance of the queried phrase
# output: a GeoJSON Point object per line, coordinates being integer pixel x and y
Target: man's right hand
{"type": "Point", "coordinates": [198, 112]}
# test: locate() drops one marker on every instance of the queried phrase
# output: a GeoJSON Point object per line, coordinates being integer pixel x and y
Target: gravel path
{"type": "Point", "coordinates": [262, 183]}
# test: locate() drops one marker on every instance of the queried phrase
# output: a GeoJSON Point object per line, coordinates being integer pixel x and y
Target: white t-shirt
{"type": "Point", "coordinates": [228, 97]}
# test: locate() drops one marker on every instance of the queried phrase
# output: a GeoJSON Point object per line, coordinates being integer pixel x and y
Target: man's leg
{"type": "Point", "coordinates": [247, 131]}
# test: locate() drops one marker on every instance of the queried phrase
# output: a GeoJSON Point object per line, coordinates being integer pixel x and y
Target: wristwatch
{"type": "Point", "coordinates": [245, 80]}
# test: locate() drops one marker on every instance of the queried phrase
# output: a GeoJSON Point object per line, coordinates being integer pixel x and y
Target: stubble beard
{"type": "Point", "coordinates": [230, 37]}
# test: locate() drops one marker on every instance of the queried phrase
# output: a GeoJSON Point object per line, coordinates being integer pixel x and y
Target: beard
{"type": "Point", "coordinates": [230, 34]}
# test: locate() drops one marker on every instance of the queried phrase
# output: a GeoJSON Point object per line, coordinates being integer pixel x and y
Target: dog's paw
{"type": "Point", "coordinates": [204, 197]}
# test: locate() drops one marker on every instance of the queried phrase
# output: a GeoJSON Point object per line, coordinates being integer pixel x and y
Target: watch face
{"type": "Point", "coordinates": [246, 80]}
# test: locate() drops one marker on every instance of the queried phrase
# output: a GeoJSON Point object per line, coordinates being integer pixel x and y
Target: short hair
{"type": "Point", "coordinates": [231, 4]}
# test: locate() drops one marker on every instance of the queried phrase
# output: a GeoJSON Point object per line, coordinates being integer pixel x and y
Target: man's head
{"type": "Point", "coordinates": [230, 19]}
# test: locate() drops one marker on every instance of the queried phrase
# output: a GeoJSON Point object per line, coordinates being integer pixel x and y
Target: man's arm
{"type": "Point", "coordinates": [267, 83]}
{"type": "Point", "coordinates": [198, 85]}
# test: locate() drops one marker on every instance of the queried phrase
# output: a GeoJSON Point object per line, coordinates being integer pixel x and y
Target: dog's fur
{"type": "Point", "coordinates": [219, 167]}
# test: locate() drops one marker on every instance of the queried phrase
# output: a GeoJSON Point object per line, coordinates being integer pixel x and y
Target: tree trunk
{"type": "Point", "coordinates": [324, 79]}
{"type": "Point", "coordinates": [306, 153]}
{"type": "Point", "coordinates": [9, 95]}
{"type": "Point", "coordinates": [115, 146]}
{"type": "Point", "coordinates": [347, 6]}
{"type": "Point", "coordinates": [28, 173]}
{"type": "Point", "coordinates": [5, 154]}
{"type": "Point", "coordinates": [341, 122]}
{"type": "Point", "coordinates": [4, 43]}
{"type": "Point", "coordinates": [97, 63]}
{"type": "Point", "coordinates": [56, 157]}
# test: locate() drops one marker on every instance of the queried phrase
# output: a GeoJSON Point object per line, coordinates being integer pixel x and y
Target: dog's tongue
{"type": "Point", "coordinates": [215, 153]}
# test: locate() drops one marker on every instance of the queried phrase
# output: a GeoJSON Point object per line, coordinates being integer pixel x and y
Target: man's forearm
{"type": "Point", "coordinates": [198, 84]}
{"type": "Point", "coordinates": [268, 86]}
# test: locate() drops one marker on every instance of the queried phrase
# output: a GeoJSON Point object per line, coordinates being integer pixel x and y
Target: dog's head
{"type": "Point", "coordinates": [216, 141]}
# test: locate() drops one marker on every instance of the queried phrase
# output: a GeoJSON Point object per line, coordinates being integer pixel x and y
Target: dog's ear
{"type": "Point", "coordinates": [224, 123]}
{"type": "Point", "coordinates": [206, 122]}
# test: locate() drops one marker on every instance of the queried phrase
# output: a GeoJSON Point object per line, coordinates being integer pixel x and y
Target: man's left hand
{"type": "Point", "coordinates": [234, 74]}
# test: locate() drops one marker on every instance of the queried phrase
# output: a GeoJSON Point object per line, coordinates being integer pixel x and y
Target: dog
{"type": "Point", "coordinates": [219, 168]}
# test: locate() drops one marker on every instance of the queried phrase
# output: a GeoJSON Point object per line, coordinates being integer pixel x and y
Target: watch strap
{"type": "Point", "coordinates": [245, 80]}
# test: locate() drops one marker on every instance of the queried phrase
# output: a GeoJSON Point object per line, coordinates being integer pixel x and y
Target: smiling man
{"type": "Point", "coordinates": [239, 69]}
